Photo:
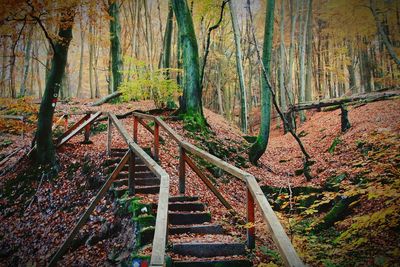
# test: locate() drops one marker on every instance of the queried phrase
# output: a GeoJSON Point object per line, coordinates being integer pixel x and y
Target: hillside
{"type": "Point", "coordinates": [363, 167]}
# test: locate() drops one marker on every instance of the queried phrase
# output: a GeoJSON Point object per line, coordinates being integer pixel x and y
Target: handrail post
{"type": "Point", "coordinates": [135, 129]}
{"type": "Point", "coordinates": [131, 174]}
{"type": "Point", "coordinates": [251, 241]}
{"type": "Point", "coordinates": [87, 134]}
{"type": "Point", "coordinates": [65, 122]}
{"type": "Point", "coordinates": [182, 171]}
{"type": "Point", "coordinates": [156, 141]}
{"type": "Point", "coordinates": [109, 136]}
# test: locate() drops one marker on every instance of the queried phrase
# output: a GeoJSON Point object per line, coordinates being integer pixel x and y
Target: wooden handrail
{"type": "Point", "coordinates": [255, 194]}
{"type": "Point", "coordinates": [160, 232]}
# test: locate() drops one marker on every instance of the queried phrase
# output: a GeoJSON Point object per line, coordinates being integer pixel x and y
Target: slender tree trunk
{"type": "Point", "coordinates": [259, 147]}
{"type": "Point", "coordinates": [115, 36]}
{"type": "Point", "coordinates": [27, 59]}
{"type": "Point", "coordinates": [79, 89]}
{"type": "Point", "coordinates": [91, 52]}
{"type": "Point", "coordinates": [38, 79]}
{"type": "Point", "coordinates": [282, 60]}
{"type": "Point", "coordinates": [295, 10]}
{"type": "Point", "coordinates": [44, 142]}
{"type": "Point", "coordinates": [191, 104]}
{"type": "Point", "coordinates": [166, 51]}
{"type": "Point", "coordinates": [239, 67]}
{"type": "Point", "coordinates": [302, 59]}
{"type": "Point", "coordinates": [309, 55]}
{"type": "Point", "coordinates": [4, 67]}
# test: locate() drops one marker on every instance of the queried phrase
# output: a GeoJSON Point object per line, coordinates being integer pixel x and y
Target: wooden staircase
{"type": "Point", "coordinates": [192, 233]}
{"type": "Point", "coordinates": [191, 230]}
{"type": "Point", "coordinates": [146, 182]}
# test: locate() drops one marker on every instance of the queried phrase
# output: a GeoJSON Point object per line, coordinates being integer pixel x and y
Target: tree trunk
{"type": "Point", "coordinates": [383, 35]}
{"type": "Point", "coordinates": [27, 59]}
{"type": "Point", "coordinates": [79, 89]}
{"type": "Point", "coordinates": [115, 35]}
{"type": "Point", "coordinates": [259, 147]}
{"type": "Point", "coordinates": [44, 143]}
{"type": "Point", "coordinates": [239, 67]}
{"type": "Point", "coordinates": [166, 51]}
{"type": "Point", "coordinates": [295, 10]}
{"type": "Point", "coordinates": [309, 55]}
{"type": "Point", "coordinates": [91, 51]}
{"type": "Point", "coordinates": [38, 79]}
{"type": "Point", "coordinates": [302, 59]}
{"type": "Point", "coordinates": [282, 60]}
{"type": "Point", "coordinates": [191, 104]}
{"type": "Point", "coordinates": [4, 67]}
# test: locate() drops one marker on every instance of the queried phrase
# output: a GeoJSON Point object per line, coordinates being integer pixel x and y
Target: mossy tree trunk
{"type": "Point", "coordinates": [44, 144]}
{"type": "Point", "coordinates": [115, 36]}
{"type": "Point", "coordinates": [259, 147]}
{"type": "Point", "coordinates": [191, 104]}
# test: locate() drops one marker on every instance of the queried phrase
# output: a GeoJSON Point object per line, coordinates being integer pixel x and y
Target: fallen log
{"type": "Point", "coordinates": [370, 97]}
{"type": "Point", "coordinates": [106, 99]}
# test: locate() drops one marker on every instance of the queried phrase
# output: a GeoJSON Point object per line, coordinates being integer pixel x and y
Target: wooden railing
{"type": "Point", "coordinates": [254, 192]}
{"type": "Point", "coordinates": [160, 232]}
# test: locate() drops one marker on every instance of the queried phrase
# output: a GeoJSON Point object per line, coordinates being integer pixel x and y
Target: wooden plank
{"type": "Point", "coordinates": [169, 130]}
{"type": "Point", "coordinates": [161, 228]}
{"type": "Point", "coordinates": [79, 128]}
{"type": "Point", "coordinates": [286, 249]}
{"type": "Point", "coordinates": [60, 252]}
{"type": "Point", "coordinates": [143, 116]}
{"type": "Point", "coordinates": [10, 155]}
{"type": "Point", "coordinates": [135, 129]}
{"type": "Point", "coordinates": [251, 238]}
{"type": "Point", "coordinates": [216, 161]}
{"type": "Point", "coordinates": [109, 136]}
{"type": "Point", "coordinates": [209, 184]}
{"type": "Point", "coordinates": [156, 141]}
{"type": "Point", "coordinates": [73, 127]}
{"type": "Point", "coordinates": [12, 117]}
{"type": "Point", "coordinates": [182, 170]}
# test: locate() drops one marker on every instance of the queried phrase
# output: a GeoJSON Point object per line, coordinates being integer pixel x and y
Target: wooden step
{"type": "Point", "coordinates": [183, 198]}
{"type": "Point", "coordinates": [114, 161]}
{"type": "Point", "coordinates": [138, 175]}
{"type": "Point", "coordinates": [138, 168]}
{"type": "Point", "coordinates": [213, 263]}
{"type": "Point", "coordinates": [120, 191]}
{"type": "Point", "coordinates": [138, 182]}
{"type": "Point", "coordinates": [213, 229]}
{"type": "Point", "coordinates": [186, 206]}
{"type": "Point", "coordinates": [181, 218]}
{"type": "Point", "coordinates": [209, 249]}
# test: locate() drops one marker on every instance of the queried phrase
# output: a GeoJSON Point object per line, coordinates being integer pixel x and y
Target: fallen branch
{"type": "Point", "coordinates": [370, 97]}
{"type": "Point", "coordinates": [106, 99]}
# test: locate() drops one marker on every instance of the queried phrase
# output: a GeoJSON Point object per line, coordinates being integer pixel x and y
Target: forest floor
{"type": "Point", "coordinates": [355, 182]}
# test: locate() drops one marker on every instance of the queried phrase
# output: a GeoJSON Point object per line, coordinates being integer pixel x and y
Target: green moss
{"type": "Point", "coordinates": [145, 220]}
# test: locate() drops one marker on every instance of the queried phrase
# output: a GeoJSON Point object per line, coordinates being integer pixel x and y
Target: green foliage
{"type": "Point", "coordinates": [335, 142]}
{"type": "Point", "coordinates": [145, 83]}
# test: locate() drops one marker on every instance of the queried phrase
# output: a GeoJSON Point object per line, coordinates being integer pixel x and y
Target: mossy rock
{"type": "Point", "coordinates": [146, 235]}
{"type": "Point", "coordinates": [145, 220]}
{"type": "Point", "coordinates": [333, 183]}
